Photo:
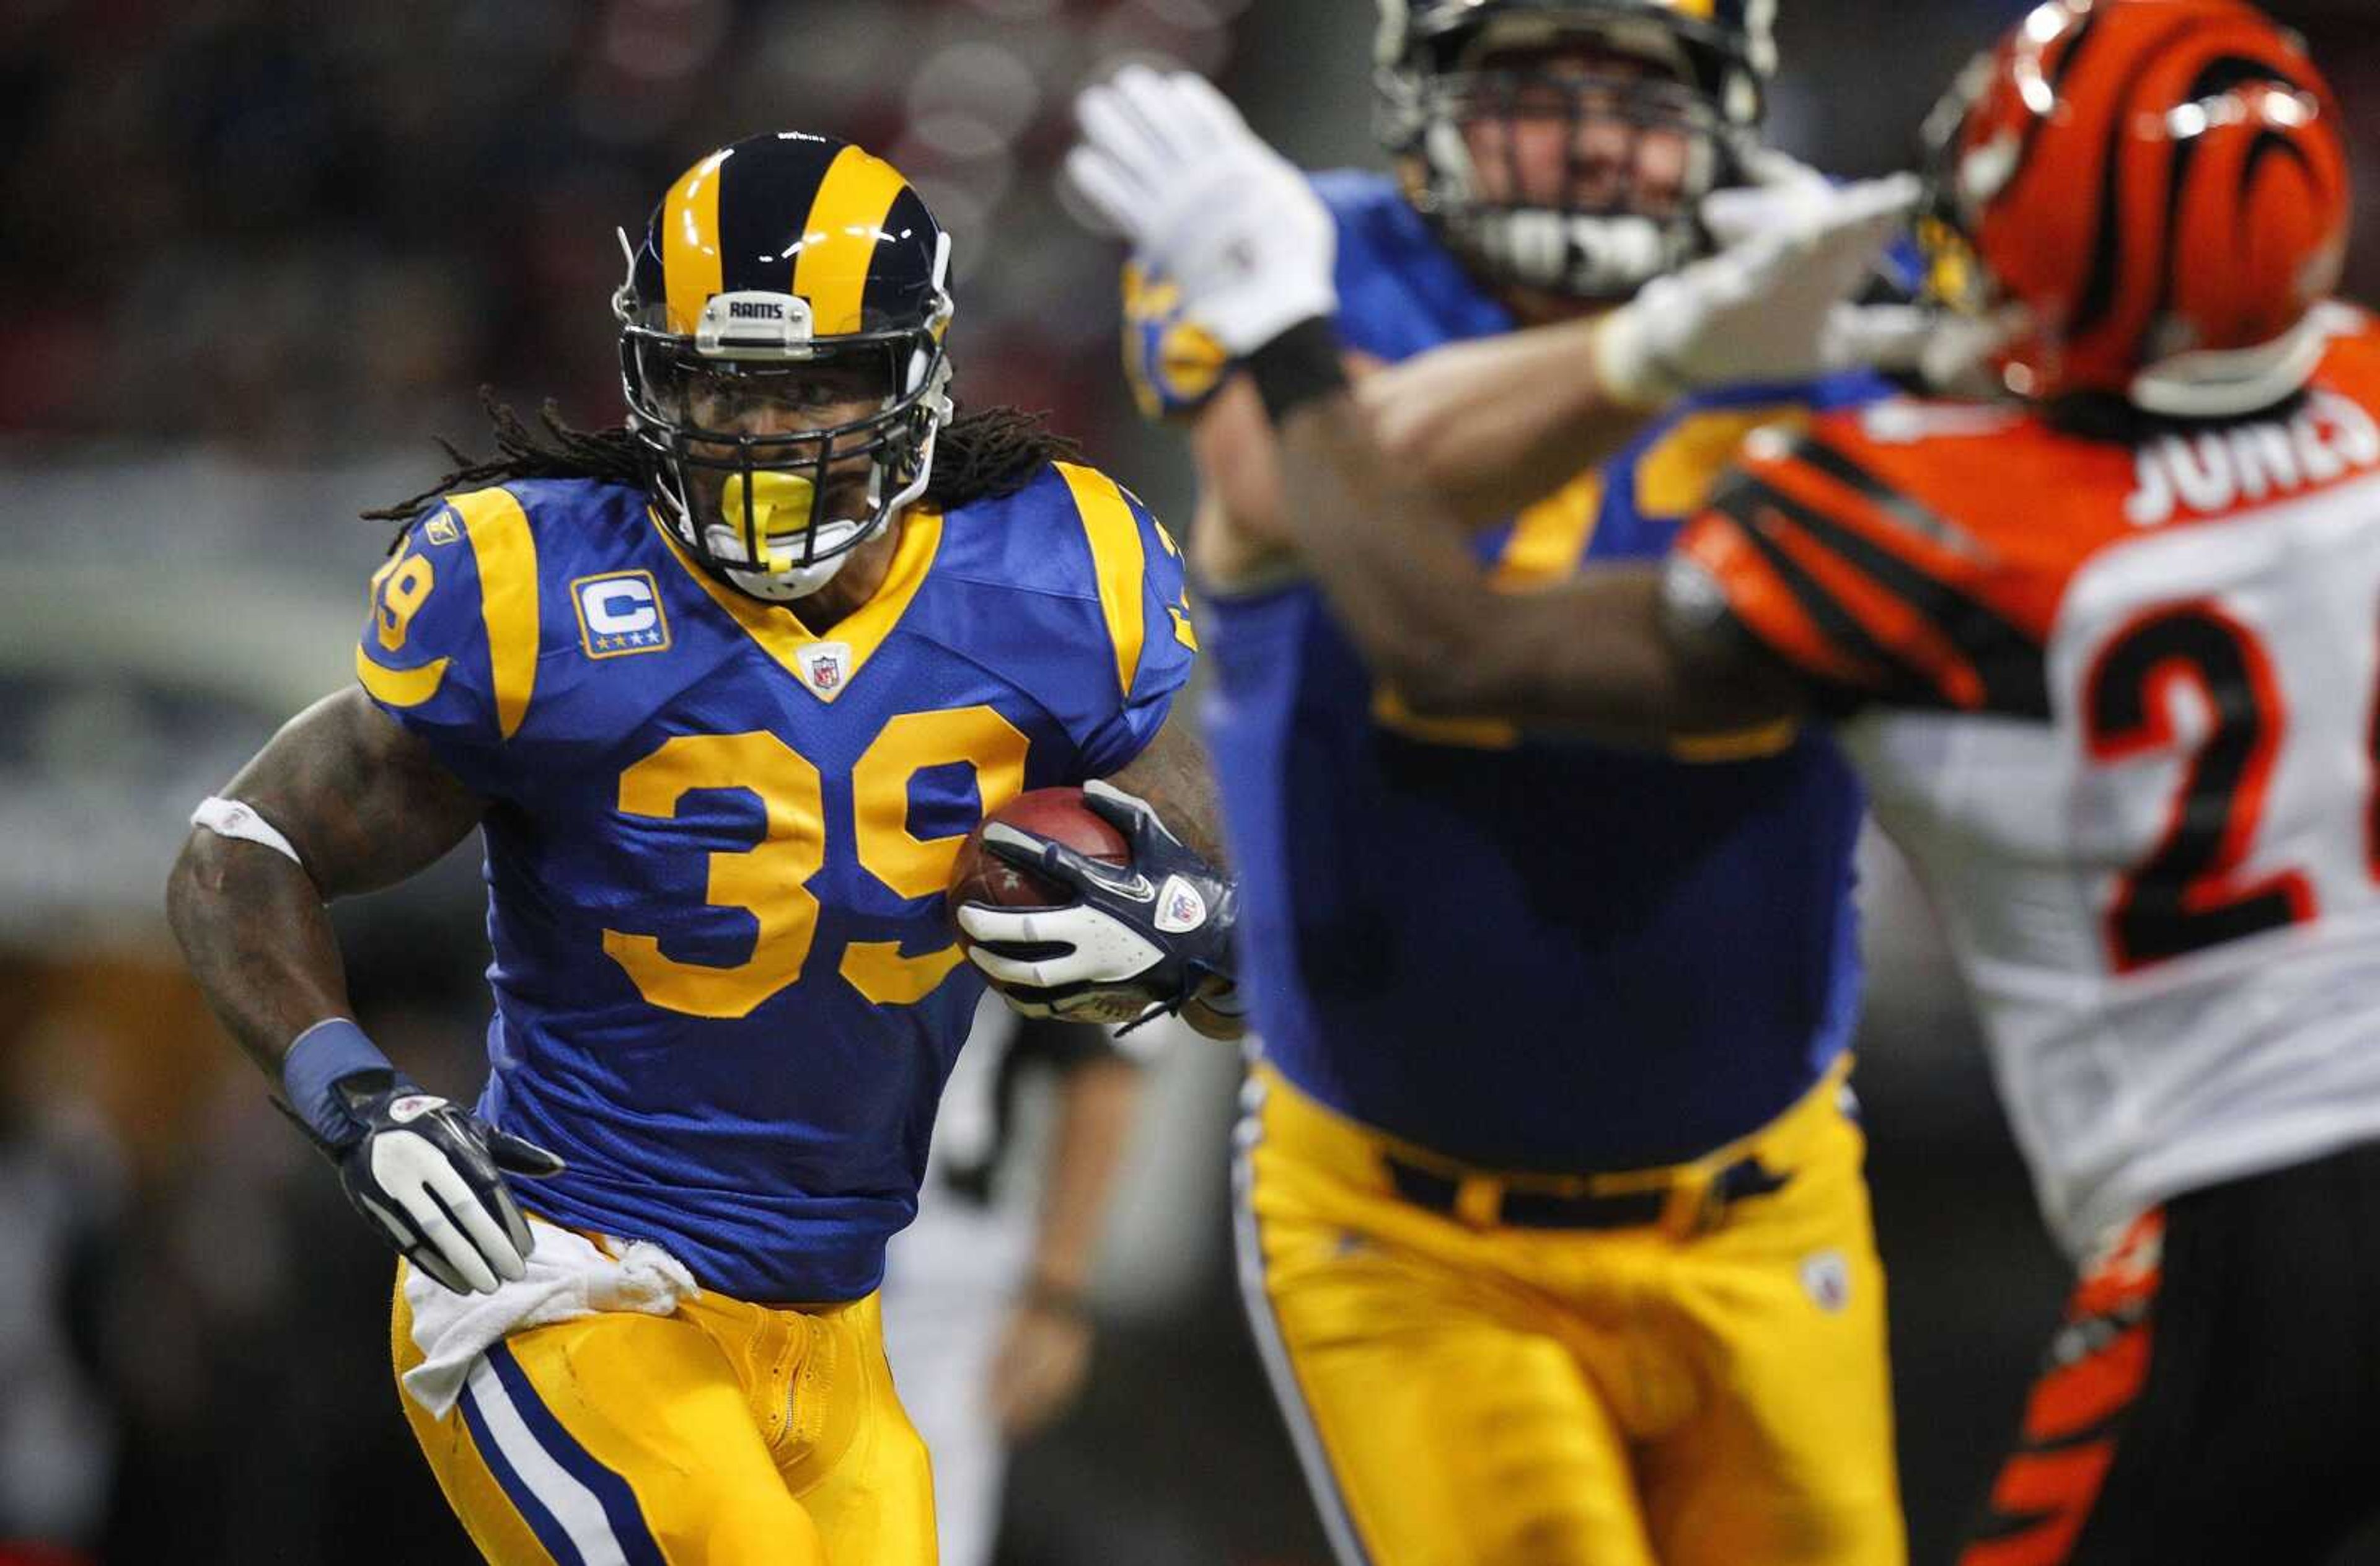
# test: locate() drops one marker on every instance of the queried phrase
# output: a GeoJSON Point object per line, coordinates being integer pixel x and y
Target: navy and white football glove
{"type": "Point", "coordinates": [426, 1172]}
{"type": "Point", "coordinates": [1138, 939]}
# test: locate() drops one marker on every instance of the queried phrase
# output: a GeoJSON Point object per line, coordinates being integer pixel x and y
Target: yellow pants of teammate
{"type": "Point", "coordinates": [726, 1434]}
{"type": "Point", "coordinates": [1707, 1389]}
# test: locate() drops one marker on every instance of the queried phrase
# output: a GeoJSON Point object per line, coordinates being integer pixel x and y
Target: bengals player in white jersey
{"type": "Point", "coordinates": [2107, 653]}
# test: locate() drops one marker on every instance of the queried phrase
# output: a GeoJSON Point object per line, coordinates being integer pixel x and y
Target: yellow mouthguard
{"type": "Point", "coordinates": [780, 503]}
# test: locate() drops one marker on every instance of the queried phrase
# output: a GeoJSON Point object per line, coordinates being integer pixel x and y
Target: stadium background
{"type": "Point", "coordinates": [257, 253]}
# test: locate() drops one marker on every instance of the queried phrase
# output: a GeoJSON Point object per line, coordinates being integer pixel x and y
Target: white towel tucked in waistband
{"type": "Point", "coordinates": [568, 1277]}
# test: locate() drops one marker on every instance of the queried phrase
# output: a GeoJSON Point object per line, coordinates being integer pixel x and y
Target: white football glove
{"type": "Point", "coordinates": [1950, 353]}
{"type": "Point", "coordinates": [1772, 305]}
{"type": "Point", "coordinates": [1946, 351]}
{"type": "Point", "coordinates": [1171, 164]}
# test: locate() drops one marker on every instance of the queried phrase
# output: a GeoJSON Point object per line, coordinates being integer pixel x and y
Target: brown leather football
{"type": "Point", "coordinates": [1056, 813]}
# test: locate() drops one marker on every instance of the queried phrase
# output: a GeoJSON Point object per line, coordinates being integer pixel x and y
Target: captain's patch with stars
{"type": "Point", "coordinates": [619, 613]}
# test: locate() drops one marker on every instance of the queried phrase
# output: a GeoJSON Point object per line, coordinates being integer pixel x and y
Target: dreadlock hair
{"type": "Point", "coordinates": [980, 454]}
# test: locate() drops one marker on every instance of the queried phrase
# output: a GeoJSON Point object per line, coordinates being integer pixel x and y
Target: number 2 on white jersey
{"type": "Point", "coordinates": [2184, 897]}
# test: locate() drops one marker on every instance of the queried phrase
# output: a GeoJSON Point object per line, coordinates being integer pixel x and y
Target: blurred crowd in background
{"type": "Point", "coordinates": [257, 255]}
{"type": "Point", "coordinates": [297, 234]}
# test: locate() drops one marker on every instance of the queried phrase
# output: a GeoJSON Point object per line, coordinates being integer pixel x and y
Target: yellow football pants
{"type": "Point", "coordinates": [727, 1434]}
{"type": "Point", "coordinates": [1698, 1392]}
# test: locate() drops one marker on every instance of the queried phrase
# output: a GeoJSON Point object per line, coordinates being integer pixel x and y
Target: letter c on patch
{"type": "Point", "coordinates": [604, 601]}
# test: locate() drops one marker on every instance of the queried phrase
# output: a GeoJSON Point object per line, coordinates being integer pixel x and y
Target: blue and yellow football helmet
{"type": "Point", "coordinates": [1445, 65]}
{"type": "Point", "coordinates": [786, 272]}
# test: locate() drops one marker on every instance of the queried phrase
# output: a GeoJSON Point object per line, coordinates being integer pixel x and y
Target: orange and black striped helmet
{"type": "Point", "coordinates": [2153, 193]}
{"type": "Point", "coordinates": [782, 322]}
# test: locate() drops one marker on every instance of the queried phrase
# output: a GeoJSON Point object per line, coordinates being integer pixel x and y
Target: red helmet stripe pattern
{"type": "Point", "coordinates": [2265, 198]}
{"type": "Point", "coordinates": [2179, 184]}
{"type": "Point", "coordinates": [2124, 204]}
{"type": "Point", "coordinates": [2060, 59]}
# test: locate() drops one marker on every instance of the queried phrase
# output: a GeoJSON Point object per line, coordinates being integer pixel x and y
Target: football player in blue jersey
{"type": "Point", "coordinates": [1554, 1229]}
{"type": "Point", "coordinates": [722, 690]}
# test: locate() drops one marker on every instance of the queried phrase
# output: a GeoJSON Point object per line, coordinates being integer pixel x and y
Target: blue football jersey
{"type": "Point", "coordinates": [717, 844]}
{"type": "Point", "coordinates": [1521, 952]}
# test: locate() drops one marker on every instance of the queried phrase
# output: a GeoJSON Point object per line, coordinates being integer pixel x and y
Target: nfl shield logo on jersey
{"type": "Point", "coordinates": [823, 665]}
{"type": "Point", "coordinates": [1827, 1279]}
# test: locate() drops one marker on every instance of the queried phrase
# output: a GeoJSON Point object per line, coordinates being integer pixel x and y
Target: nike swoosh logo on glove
{"type": "Point", "coordinates": [1135, 885]}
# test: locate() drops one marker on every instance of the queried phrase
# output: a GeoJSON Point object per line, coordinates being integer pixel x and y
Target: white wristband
{"type": "Point", "coordinates": [1626, 370]}
{"type": "Point", "coordinates": [229, 818]}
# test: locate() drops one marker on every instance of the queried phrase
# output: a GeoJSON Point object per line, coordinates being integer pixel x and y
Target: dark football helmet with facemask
{"type": "Point", "coordinates": [1448, 65]}
{"type": "Point", "coordinates": [781, 277]}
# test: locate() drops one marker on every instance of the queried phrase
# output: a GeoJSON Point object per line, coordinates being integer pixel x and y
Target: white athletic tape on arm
{"type": "Point", "coordinates": [229, 818]}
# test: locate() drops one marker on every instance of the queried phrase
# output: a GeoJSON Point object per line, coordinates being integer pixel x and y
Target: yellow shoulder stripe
{"type": "Point", "coordinates": [506, 552]}
{"type": "Point", "coordinates": [400, 687]}
{"type": "Point", "coordinates": [1117, 557]}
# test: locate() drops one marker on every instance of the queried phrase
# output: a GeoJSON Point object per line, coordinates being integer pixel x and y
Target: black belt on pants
{"type": "Point", "coordinates": [1523, 1209]}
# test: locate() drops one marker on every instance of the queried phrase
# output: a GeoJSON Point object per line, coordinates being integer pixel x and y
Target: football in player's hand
{"type": "Point", "coordinates": [1055, 813]}
{"type": "Point", "coordinates": [981, 876]}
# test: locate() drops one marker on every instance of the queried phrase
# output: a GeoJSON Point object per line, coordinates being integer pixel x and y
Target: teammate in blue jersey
{"type": "Point", "coordinates": [722, 690]}
{"type": "Point", "coordinates": [1554, 1229]}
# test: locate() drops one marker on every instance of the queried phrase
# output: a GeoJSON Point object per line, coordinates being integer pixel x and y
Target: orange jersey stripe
{"type": "Point", "coordinates": [1766, 605]}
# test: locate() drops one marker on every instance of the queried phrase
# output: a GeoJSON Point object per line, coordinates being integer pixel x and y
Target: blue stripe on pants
{"type": "Point", "coordinates": [627, 1519]}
